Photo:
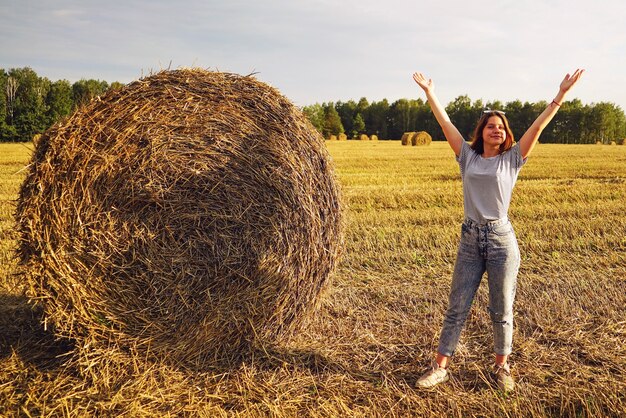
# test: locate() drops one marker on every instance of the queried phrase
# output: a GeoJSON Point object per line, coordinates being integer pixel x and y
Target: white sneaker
{"type": "Point", "coordinates": [502, 376]}
{"type": "Point", "coordinates": [433, 377]}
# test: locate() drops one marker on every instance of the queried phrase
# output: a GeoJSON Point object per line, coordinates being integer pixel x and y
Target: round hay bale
{"type": "Point", "coordinates": [374, 137]}
{"type": "Point", "coordinates": [406, 138]}
{"type": "Point", "coordinates": [333, 138]}
{"type": "Point", "coordinates": [343, 137]}
{"type": "Point", "coordinates": [421, 138]}
{"type": "Point", "coordinates": [364, 137]}
{"type": "Point", "coordinates": [188, 216]}
{"type": "Point", "coordinates": [613, 143]}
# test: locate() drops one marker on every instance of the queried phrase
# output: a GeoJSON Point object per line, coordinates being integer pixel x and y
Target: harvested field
{"type": "Point", "coordinates": [377, 326]}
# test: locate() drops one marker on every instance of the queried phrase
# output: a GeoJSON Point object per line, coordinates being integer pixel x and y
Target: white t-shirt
{"type": "Point", "coordinates": [488, 182]}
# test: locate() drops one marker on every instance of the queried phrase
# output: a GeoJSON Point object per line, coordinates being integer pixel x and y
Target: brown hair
{"type": "Point", "coordinates": [477, 138]}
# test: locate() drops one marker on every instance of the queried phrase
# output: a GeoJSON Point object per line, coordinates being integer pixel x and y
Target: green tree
{"type": "Point", "coordinates": [26, 103]}
{"type": "Point", "coordinates": [358, 125]}
{"type": "Point", "coordinates": [59, 101]}
{"type": "Point", "coordinates": [332, 121]}
{"type": "Point", "coordinates": [363, 108]}
{"type": "Point", "coordinates": [315, 114]}
{"type": "Point", "coordinates": [3, 96]}
{"type": "Point", "coordinates": [605, 122]}
{"type": "Point", "coordinates": [399, 118]}
{"type": "Point", "coordinates": [514, 115]}
{"type": "Point", "coordinates": [573, 124]}
{"type": "Point", "coordinates": [84, 90]}
{"type": "Point", "coordinates": [460, 112]}
{"type": "Point", "coordinates": [7, 131]}
{"type": "Point", "coordinates": [377, 123]}
{"type": "Point", "coordinates": [423, 119]}
{"type": "Point", "coordinates": [567, 125]}
{"type": "Point", "coordinates": [116, 85]}
{"type": "Point", "coordinates": [346, 111]}
{"type": "Point", "coordinates": [29, 104]}
{"type": "Point", "coordinates": [473, 114]}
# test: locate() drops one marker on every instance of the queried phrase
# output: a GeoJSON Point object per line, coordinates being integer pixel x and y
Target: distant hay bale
{"type": "Point", "coordinates": [374, 138]}
{"type": "Point", "coordinates": [598, 142]}
{"type": "Point", "coordinates": [406, 138]}
{"type": "Point", "coordinates": [333, 138]}
{"type": "Point", "coordinates": [364, 137]}
{"type": "Point", "coordinates": [342, 137]}
{"type": "Point", "coordinates": [421, 138]}
{"type": "Point", "coordinates": [613, 143]}
{"type": "Point", "coordinates": [187, 216]}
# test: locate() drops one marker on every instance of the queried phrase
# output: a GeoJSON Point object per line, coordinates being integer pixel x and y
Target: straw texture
{"type": "Point", "coordinates": [421, 138]}
{"type": "Point", "coordinates": [188, 217]}
{"type": "Point", "coordinates": [406, 138]}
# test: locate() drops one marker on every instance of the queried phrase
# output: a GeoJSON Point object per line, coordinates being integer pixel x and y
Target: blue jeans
{"type": "Point", "coordinates": [492, 248]}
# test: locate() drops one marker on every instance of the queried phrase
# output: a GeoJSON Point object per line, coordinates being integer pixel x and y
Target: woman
{"type": "Point", "coordinates": [489, 169]}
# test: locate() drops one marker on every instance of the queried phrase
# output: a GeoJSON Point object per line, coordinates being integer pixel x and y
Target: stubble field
{"type": "Point", "coordinates": [378, 325]}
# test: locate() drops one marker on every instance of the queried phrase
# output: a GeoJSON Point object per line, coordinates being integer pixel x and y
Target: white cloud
{"type": "Point", "coordinates": [321, 50]}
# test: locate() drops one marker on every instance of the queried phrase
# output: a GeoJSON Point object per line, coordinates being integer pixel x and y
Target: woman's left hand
{"type": "Point", "coordinates": [569, 81]}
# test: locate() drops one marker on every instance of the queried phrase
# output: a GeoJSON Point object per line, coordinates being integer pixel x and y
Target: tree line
{"type": "Point", "coordinates": [575, 123]}
{"type": "Point", "coordinates": [29, 104]}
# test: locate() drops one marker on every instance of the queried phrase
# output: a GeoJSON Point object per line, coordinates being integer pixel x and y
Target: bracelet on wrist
{"type": "Point", "coordinates": [556, 103]}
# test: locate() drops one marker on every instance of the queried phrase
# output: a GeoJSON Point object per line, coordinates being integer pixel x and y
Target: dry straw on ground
{"type": "Point", "coordinates": [421, 138]}
{"type": "Point", "coordinates": [187, 217]}
{"type": "Point", "coordinates": [377, 327]}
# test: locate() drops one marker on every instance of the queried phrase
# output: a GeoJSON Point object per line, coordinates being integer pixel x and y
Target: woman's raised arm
{"type": "Point", "coordinates": [453, 136]}
{"type": "Point", "coordinates": [530, 137]}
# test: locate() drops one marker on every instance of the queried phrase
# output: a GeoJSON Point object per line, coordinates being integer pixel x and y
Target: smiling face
{"type": "Point", "coordinates": [494, 132]}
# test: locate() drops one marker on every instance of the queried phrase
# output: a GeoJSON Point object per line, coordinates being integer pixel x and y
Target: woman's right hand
{"type": "Point", "coordinates": [426, 84]}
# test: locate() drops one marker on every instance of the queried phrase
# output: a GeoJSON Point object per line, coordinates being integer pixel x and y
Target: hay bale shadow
{"type": "Point", "coordinates": [22, 332]}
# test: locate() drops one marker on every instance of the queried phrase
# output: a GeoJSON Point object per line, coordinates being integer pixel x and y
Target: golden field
{"type": "Point", "coordinates": [378, 325]}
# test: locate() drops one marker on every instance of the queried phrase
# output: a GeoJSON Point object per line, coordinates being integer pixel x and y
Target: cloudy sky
{"type": "Point", "coordinates": [329, 50]}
